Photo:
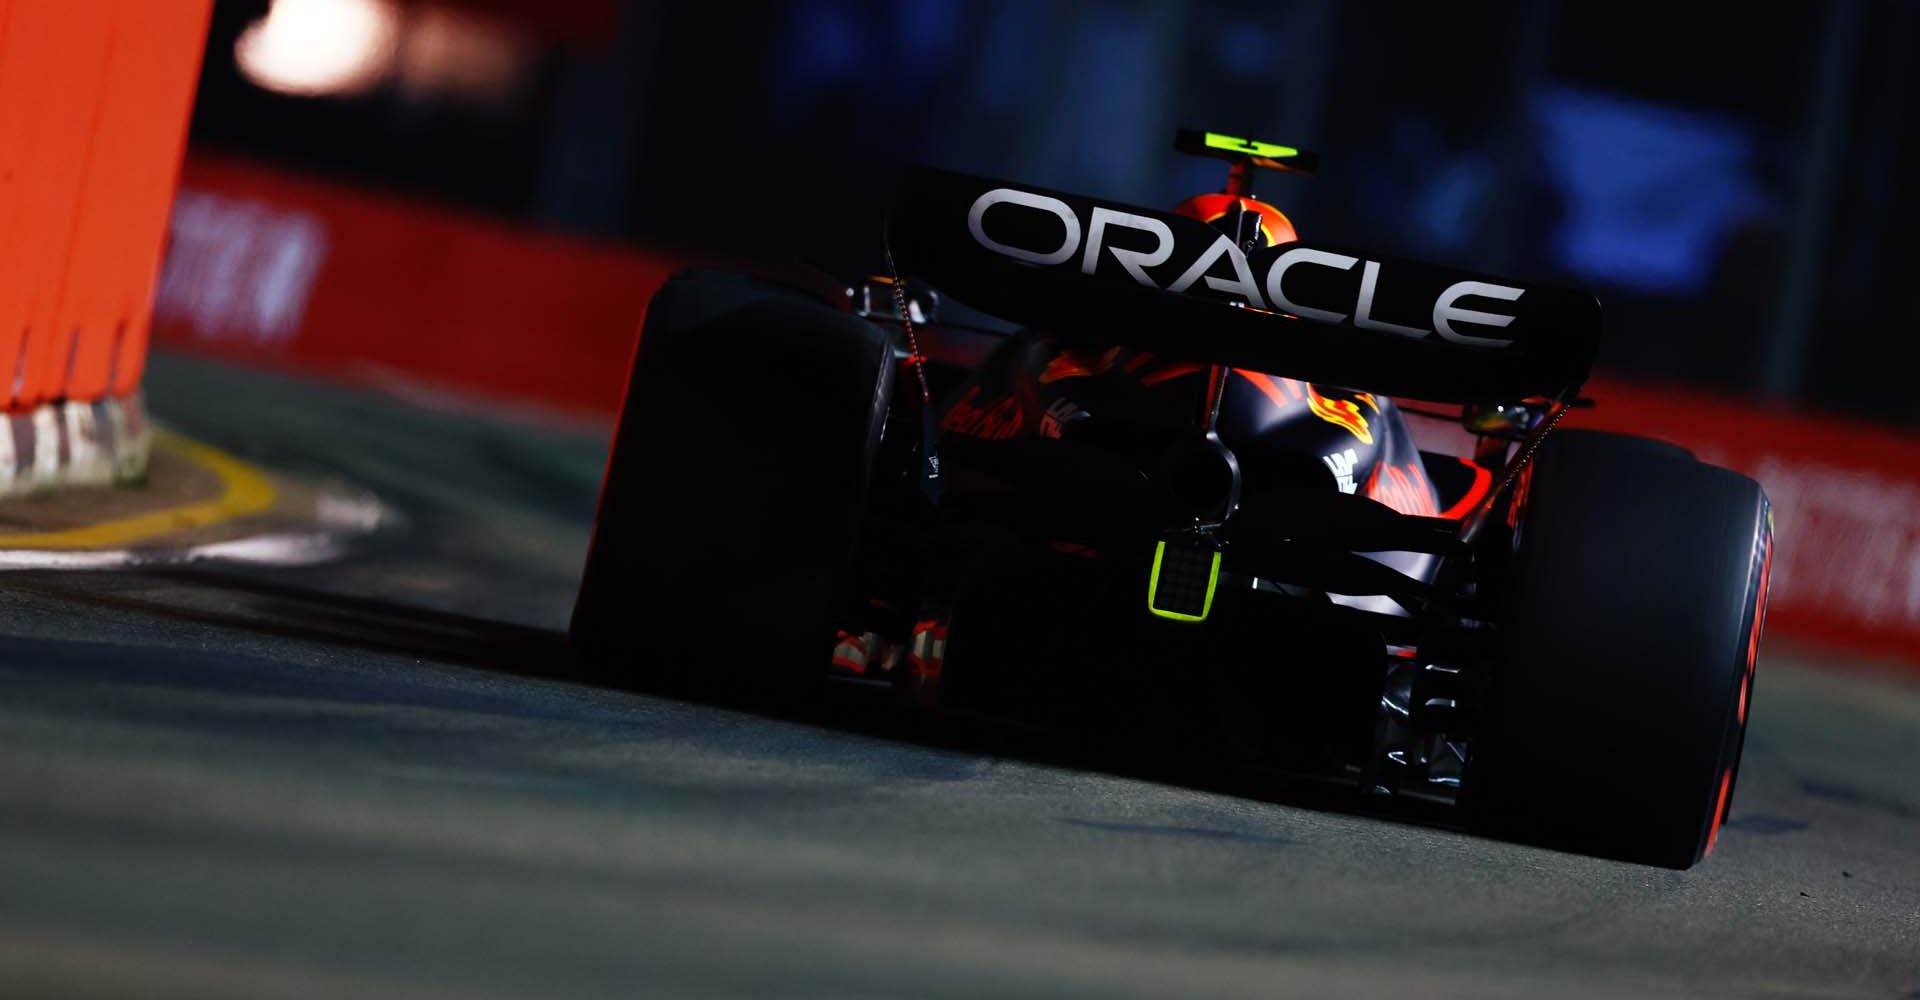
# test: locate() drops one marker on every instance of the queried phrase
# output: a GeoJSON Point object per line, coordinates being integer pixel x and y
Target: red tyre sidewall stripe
{"type": "Point", "coordinates": [1721, 806]}
{"type": "Point", "coordinates": [1719, 810]}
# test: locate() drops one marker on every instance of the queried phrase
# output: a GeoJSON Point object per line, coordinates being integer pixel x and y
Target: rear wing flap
{"type": "Point", "coordinates": [1176, 286]}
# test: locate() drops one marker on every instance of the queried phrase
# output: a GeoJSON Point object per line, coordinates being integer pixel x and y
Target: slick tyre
{"type": "Point", "coordinates": [738, 477]}
{"type": "Point", "coordinates": [1618, 708]}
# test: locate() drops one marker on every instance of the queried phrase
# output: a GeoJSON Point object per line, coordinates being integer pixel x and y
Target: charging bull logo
{"type": "Point", "coordinates": [1344, 412]}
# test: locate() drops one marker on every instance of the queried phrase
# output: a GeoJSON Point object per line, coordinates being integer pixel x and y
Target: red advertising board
{"type": "Point", "coordinates": [271, 268]}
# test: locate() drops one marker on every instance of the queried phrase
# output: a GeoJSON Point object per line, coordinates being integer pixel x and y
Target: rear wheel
{"type": "Point", "coordinates": [1616, 715]}
{"type": "Point", "coordinates": [736, 485]}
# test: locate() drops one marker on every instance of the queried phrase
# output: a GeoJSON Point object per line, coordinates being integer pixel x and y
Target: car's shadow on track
{"type": "Point", "coordinates": [263, 608]}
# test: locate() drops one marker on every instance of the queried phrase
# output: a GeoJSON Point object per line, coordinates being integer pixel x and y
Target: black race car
{"type": "Point", "coordinates": [1182, 500]}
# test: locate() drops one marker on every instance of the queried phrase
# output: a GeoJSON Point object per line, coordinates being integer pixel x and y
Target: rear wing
{"type": "Point", "coordinates": [1177, 286]}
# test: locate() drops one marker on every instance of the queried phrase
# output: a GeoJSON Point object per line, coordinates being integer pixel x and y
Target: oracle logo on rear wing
{"type": "Point", "coordinates": [1170, 284]}
{"type": "Point", "coordinates": [1259, 281]}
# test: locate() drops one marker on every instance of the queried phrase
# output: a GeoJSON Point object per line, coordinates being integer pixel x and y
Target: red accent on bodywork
{"type": "Point", "coordinates": [1075, 364]}
{"type": "Point", "coordinates": [1404, 488]}
{"type": "Point", "coordinates": [1275, 389]}
{"type": "Point", "coordinates": [1172, 371]}
{"type": "Point", "coordinates": [1482, 481]}
{"type": "Point", "coordinates": [1275, 227]}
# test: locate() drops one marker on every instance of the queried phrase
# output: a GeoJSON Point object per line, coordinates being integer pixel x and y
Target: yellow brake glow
{"type": "Point", "coordinates": [1251, 147]}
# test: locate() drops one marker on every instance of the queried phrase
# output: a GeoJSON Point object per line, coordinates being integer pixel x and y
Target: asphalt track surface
{"type": "Point", "coordinates": [370, 779]}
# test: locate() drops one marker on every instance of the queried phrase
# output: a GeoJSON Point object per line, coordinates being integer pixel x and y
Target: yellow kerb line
{"type": "Point", "coordinates": [244, 490]}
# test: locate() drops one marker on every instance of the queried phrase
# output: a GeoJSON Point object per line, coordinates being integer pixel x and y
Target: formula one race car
{"type": "Point", "coordinates": [1183, 500]}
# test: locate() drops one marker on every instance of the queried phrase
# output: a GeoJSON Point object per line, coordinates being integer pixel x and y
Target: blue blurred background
{"type": "Point", "coordinates": [1730, 179]}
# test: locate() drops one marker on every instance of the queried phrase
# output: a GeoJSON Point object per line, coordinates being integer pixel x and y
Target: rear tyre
{"type": "Point", "coordinates": [1633, 442]}
{"type": "Point", "coordinates": [737, 481]}
{"type": "Point", "coordinates": [1617, 711]}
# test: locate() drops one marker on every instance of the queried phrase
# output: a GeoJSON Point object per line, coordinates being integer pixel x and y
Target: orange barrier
{"type": "Point", "coordinates": [94, 102]}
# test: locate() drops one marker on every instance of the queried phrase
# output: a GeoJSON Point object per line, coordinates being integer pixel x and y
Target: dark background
{"type": "Point", "coordinates": [1730, 179]}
